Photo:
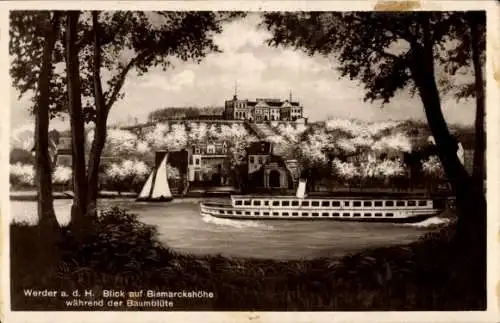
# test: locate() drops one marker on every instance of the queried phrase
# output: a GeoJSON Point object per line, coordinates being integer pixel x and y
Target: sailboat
{"type": "Point", "coordinates": [156, 187]}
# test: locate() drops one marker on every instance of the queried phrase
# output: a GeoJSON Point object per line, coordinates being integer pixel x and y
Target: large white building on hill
{"type": "Point", "coordinates": [263, 109]}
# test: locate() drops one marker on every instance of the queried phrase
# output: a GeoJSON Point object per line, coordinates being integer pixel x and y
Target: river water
{"type": "Point", "coordinates": [182, 228]}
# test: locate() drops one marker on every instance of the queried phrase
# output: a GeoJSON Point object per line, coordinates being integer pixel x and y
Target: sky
{"type": "Point", "coordinates": [260, 71]}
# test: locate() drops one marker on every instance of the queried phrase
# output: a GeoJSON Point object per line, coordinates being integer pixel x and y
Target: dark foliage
{"type": "Point", "coordinates": [181, 113]}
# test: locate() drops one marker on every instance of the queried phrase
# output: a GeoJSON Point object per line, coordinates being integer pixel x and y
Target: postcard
{"type": "Point", "coordinates": [276, 161]}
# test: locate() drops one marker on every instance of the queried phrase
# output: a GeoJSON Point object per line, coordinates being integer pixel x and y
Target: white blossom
{"type": "Point", "coordinates": [345, 170]}
{"type": "Point", "coordinates": [24, 174]}
{"type": "Point", "coordinates": [23, 137]}
{"type": "Point", "coordinates": [398, 142]}
{"type": "Point", "coordinates": [432, 167]}
{"type": "Point", "coordinates": [62, 175]}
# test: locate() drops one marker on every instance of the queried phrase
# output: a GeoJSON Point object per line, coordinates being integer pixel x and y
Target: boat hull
{"type": "Point", "coordinates": [392, 215]}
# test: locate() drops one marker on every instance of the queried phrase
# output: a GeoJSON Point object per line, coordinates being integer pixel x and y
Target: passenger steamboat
{"type": "Point", "coordinates": [342, 208]}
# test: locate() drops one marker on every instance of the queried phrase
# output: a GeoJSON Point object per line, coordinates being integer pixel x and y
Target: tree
{"type": "Point", "coordinates": [24, 31]}
{"type": "Point", "coordinates": [117, 42]}
{"type": "Point", "coordinates": [389, 52]}
{"type": "Point", "coordinates": [73, 83]}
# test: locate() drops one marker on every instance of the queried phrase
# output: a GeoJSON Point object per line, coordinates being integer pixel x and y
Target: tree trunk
{"type": "Point", "coordinates": [79, 221]}
{"type": "Point", "coordinates": [470, 203]}
{"type": "Point", "coordinates": [480, 138]}
{"type": "Point", "coordinates": [100, 125]}
{"type": "Point", "coordinates": [47, 218]}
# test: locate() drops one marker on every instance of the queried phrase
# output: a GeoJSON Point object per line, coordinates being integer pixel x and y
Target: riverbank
{"type": "Point", "coordinates": [226, 191]}
{"type": "Point", "coordinates": [31, 195]}
{"type": "Point", "coordinates": [430, 274]}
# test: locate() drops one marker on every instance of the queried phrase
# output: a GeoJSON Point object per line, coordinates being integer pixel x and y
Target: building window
{"type": "Point", "coordinates": [197, 150]}
{"type": "Point", "coordinates": [260, 160]}
{"type": "Point", "coordinates": [197, 161]}
{"type": "Point", "coordinates": [252, 159]}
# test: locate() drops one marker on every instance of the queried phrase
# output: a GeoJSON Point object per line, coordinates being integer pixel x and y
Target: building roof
{"type": "Point", "coordinates": [271, 103]}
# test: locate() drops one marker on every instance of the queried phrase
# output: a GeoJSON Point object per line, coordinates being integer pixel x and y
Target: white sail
{"type": "Point", "coordinates": [301, 189]}
{"type": "Point", "coordinates": [161, 188]}
{"type": "Point", "coordinates": [146, 189]}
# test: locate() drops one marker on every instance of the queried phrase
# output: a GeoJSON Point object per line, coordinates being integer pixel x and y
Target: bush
{"type": "Point", "coordinates": [18, 155]}
{"type": "Point", "coordinates": [120, 243]}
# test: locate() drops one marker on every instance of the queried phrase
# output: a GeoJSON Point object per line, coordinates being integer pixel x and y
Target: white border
{"type": "Point", "coordinates": [493, 157]}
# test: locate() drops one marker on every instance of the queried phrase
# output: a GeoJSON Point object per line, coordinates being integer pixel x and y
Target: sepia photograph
{"type": "Point", "coordinates": [247, 160]}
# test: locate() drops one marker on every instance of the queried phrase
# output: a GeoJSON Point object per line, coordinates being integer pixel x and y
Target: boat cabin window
{"type": "Point", "coordinates": [367, 214]}
{"type": "Point", "coordinates": [325, 203]}
{"type": "Point", "coordinates": [346, 203]}
{"type": "Point", "coordinates": [422, 203]}
{"type": "Point", "coordinates": [357, 214]}
{"type": "Point", "coordinates": [335, 203]}
{"type": "Point", "coordinates": [256, 202]}
{"type": "Point", "coordinates": [367, 203]}
{"type": "Point", "coordinates": [238, 202]}
{"type": "Point", "coordinates": [247, 213]}
{"type": "Point", "coordinates": [324, 214]}
{"type": "Point", "coordinates": [305, 214]}
{"type": "Point", "coordinates": [305, 203]}
{"type": "Point", "coordinates": [229, 212]}
{"type": "Point", "coordinates": [315, 203]}
{"type": "Point", "coordinates": [378, 214]}
{"type": "Point", "coordinates": [285, 203]}
{"type": "Point", "coordinates": [295, 214]}
{"type": "Point", "coordinates": [315, 214]}
{"type": "Point", "coordinates": [265, 213]}
{"type": "Point", "coordinates": [389, 214]}
{"type": "Point", "coordinates": [246, 202]}
{"type": "Point", "coordinates": [389, 203]}
{"type": "Point", "coordinates": [238, 212]}
{"type": "Point", "coordinates": [377, 203]}
{"type": "Point", "coordinates": [357, 203]}
{"type": "Point", "coordinates": [266, 203]}
{"type": "Point", "coordinates": [275, 213]}
{"type": "Point", "coordinates": [285, 213]}
{"type": "Point", "coordinates": [336, 214]}
{"type": "Point", "coordinates": [256, 213]}
{"type": "Point", "coordinates": [400, 203]}
{"type": "Point", "coordinates": [295, 203]}
{"type": "Point", "coordinates": [412, 203]}
{"type": "Point", "coordinates": [346, 214]}
{"type": "Point", "coordinates": [221, 211]}
{"type": "Point", "coordinates": [276, 203]}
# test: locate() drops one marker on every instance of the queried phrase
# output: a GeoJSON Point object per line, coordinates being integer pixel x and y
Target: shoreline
{"type": "Point", "coordinates": [31, 195]}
